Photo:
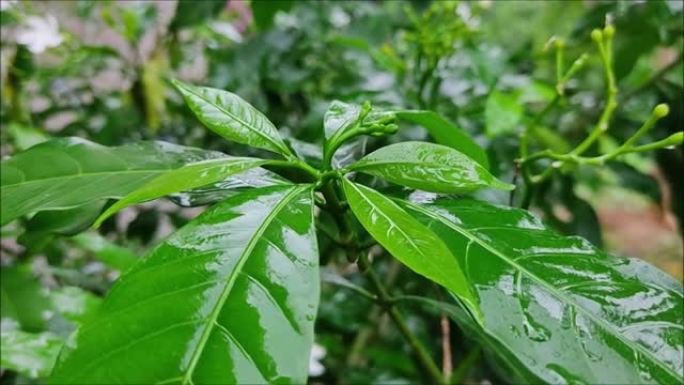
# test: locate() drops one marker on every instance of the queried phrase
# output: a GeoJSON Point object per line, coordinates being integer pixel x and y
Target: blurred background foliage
{"type": "Point", "coordinates": [100, 70]}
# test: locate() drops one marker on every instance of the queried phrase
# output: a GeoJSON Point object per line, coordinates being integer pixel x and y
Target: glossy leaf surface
{"type": "Point", "coordinates": [231, 117]}
{"type": "Point", "coordinates": [185, 178]}
{"type": "Point", "coordinates": [229, 298]}
{"type": "Point", "coordinates": [446, 133]}
{"type": "Point", "coordinates": [32, 355]}
{"type": "Point", "coordinates": [340, 117]}
{"type": "Point", "coordinates": [66, 173]}
{"type": "Point", "coordinates": [567, 311]}
{"type": "Point", "coordinates": [429, 167]}
{"type": "Point", "coordinates": [232, 185]}
{"type": "Point", "coordinates": [408, 240]}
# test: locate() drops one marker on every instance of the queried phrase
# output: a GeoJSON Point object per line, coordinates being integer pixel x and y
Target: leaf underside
{"type": "Point", "coordinates": [229, 298]}
{"type": "Point", "coordinates": [568, 312]}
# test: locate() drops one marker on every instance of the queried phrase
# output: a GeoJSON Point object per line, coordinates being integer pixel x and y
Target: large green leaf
{"type": "Point", "coordinates": [233, 118]}
{"type": "Point", "coordinates": [446, 133]}
{"type": "Point", "coordinates": [427, 166]}
{"type": "Point", "coordinates": [32, 355]}
{"type": "Point", "coordinates": [408, 240]}
{"type": "Point", "coordinates": [229, 298]}
{"type": "Point", "coordinates": [66, 173]}
{"type": "Point", "coordinates": [569, 312]}
{"type": "Point", "coordinates": [185, 178]}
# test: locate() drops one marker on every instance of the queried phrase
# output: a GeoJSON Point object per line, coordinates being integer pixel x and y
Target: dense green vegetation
{"type": "Point", "coordinates": [336, 192]}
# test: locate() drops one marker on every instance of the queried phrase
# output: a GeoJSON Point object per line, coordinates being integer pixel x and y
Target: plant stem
{"type": "Point", "coordinates": [386, 302]}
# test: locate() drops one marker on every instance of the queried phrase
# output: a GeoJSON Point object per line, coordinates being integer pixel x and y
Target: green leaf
{"type": "Point", "coordinates": [185, 178]}
{"type": "Point", "coordinates": [264, 11]}
{"type": "Point", "coordinates": [428, 166]}
{"type": "Point", "coordinates": [339, 118]}
{"type": "Point", "coordinates": [23, 298]}
{"type": "Point", "coordinates": [229, 298]}
{"type": "Point", "coordinates": [32, 355]}
{"type": "Point", "coordinates": [233, 118]}
{"type": "Point", "coordinates": [67, 173]}
{"type": "Point", "coordinates": [191, 12]}
{"type": "Point", "coordinates": [74, 303]}
{"type": "Point", "coordinates": [112, 255]}
{"type": "Point", "coordinates": [65, 222]}
{"type": "Point", "coordinates": [234, 184]}
{"type": "Point", "coordinates": [502, 114]}
{"type": "Point", "coordinates": [446, 133]}
{"type": "Point", "coordinates": [569, 312]}
{"type": "Point", "coordinates": [408, 240]}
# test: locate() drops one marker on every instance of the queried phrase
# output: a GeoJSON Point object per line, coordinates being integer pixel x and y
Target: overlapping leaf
{"type": "Point", "coordinates": [233, 118]}
{"type": "Point", "coordinates": [185, 178]}
{"type": "Point", "coordinates": [229, 298]}
{"type": "Point", "coordinates": [408, 240]}
{"type": "Point", "coordinates": [446, 133]}
{"type": "Point", "coordinates": [427, 166]}
{"type": "Point", "coordinates": [568, 312]}
{"type": "Point", "coordinates": [66, 173]}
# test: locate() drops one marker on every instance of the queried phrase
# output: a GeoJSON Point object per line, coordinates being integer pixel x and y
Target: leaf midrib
{"type": "Point", "coordinates": [213, 316]}
{"type": "Point", "coordinates": [545, 284]}
{"type": "Point", "coordinates": [238, 119]}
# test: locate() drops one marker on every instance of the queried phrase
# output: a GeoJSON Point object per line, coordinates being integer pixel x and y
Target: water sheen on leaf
{"type": "Point", "coordinates": [65, 173]}
{"type": "Point", "coordinates": [429, 167]}
{"type": "Point", "coordinates": [229, 298]}
{"type": "Point", "coordinates": [408, 240]}
{"type": "Point", "coordinates": [185, 178]}
{"type": "Point", "coordinates": [568, 312]}
{"type": "Point", "coordinates": [233, 118]}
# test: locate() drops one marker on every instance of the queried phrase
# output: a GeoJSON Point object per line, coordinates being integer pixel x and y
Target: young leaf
{"type": "Point", "coordinates": [446, 133]}
{"type": "Point", "coordinates": [185, 178]}
{"type": "Point", "coordinates": [340, 117]}
{"type": "Point", "coordinates": [568, 311]}
{"type": "Point", "coordinates": [32, 355]}
{"type": "Point", "coordinates": [502, 114]}
{"type": "Point", "coordinates": [233, 118]}
{"type": "Point", "coordinates": [229, 298]}
{"type": "Point", "coordinates": [429, 167]}
{"type": "Point", "coordinates": [66, 173]}
{"type": "Point", "coordinates": [408, 240]}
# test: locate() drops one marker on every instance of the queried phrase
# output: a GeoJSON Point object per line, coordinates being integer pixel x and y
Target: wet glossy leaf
{"type": "Point", "coordinates": [66, 173]}
{"type": "Point", "coordinates": [340, 117]}
{"type": "Point", "coordinates": [234, 184]}
{"type": "Point", "coordinates": [32, 355]}
{"type": "Point", "coordinates": [23, 298]}
{"type": "Point", "coordinates": [502, 114]}
{"type": "Point", "coordinates": [231, 117]}
{"type": "Point", "coordinates": [408, 240]}
{"type": "Point", "coordinates": [185, 178]}
{"type": "Point", "coordinates": [446, 133]}
{"type": "Point", "coordinates": [229, 298]}
{"type": "Point", "coordinates": [567, 311]}
{"type": "Point", "coordinates": [427, 166]}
